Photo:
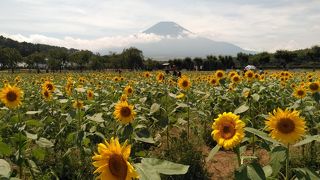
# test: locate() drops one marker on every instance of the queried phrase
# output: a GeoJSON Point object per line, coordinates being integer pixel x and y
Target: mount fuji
{"type": "Point", "coordinates": [179, 42]}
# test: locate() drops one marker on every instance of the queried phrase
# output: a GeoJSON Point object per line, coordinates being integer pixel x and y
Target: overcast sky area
{"type": "Point", "coordinates": [261, 25]}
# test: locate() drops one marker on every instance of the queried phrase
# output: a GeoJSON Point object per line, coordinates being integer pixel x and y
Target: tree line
{"type": "Point", "coordinates": [53, 58]}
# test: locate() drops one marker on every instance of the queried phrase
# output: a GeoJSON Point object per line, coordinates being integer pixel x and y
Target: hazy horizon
{"type": "Point", "coordinates": [265, 25]}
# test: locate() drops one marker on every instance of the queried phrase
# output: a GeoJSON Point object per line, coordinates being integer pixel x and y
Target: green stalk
{"type": "Point", "coordinates": [287, 162]}
{"type": "Point", "coordinates": [20, 149]}
{"type": "Point", "coordinates": [168, 125]}
{"type": "Point", "coordinates": [238, 155]}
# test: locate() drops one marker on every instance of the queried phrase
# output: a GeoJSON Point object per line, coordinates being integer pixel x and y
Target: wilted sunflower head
{"type": "Point", "coordinates": [285, 126]}
{"type": "Point", "coordinates": [112, 162]}
{"type": "Point", "coordinates": [228, 130]}
{"type": "Point", "coordinates": [11, 96]}
{"type": "Point", "coordinates": [124, 112]}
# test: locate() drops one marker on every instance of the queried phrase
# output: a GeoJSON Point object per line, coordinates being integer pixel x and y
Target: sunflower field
{"type": "Point", "coordinates": [152, 125]}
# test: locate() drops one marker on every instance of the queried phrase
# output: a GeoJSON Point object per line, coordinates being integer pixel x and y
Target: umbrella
{"type": "Point", "coordinates": [250, 67]}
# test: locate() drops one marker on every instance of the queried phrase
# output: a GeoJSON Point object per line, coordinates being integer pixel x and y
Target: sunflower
{"type": "Point", "coordinates": [90, 94]}
{"type": "Point", "coordinates": [184, 83]}
{"type": "Point", "coordinates": [214, 81]}
{"type": "Point", "coordinates": [124, 112]}
{"type": "Point", "coordinates": [147, 74]}
{"type": "Point", "coordinates": [300, 92]}
{"type": "Point", "coordinates": [235, 79]}
{"type": "Point", "coordinates": [112, 163]}
{"type": "Point", "coordinates": [314, 87]}
{"type": "Point", "coordinates": [128, 90]}
{"type": "Point", "coordinates": [123, 97]}
{"type": "Point", "coordinates": [285, 126]}
{"type": "Point", "coordinates": [46, 94]}
{"type": "Point", "coordinates": [220, 74]}
{"type": "Point", "coordinates": [78, 104]}
{"type": "Point", "coordinates": [11, 96]}
{"type": "Point", "coordinates": [249, 74]}
{"type": "Point", "coordinates": [116, 79]}
{"type": "Point", "coordinates": [160, 77]}
{"type": "Point", "coordinates": [228, 130]}
{"type": "Point", "coordinates": [180, 96]}
{"type": "Point", "coordinates": [48, 85]}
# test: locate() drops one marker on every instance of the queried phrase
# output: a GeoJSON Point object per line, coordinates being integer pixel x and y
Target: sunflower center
{"type": "Point", "coordinates": [236, 79]}
{"type": "Point", "coordinates": [50, 87]}
{"type": "Point", "coordinates": [314, 86]}
{"type": "Point", "coordinates": [125, 111]}
{"type": "Point", "coordinates": [46, 94]}
{"type": "Point", "coordinates": [300, 92]}
{"type": "Point", "coordinates": [185, 83]}
{"type": "Point", "coordinates": [228, 131]}
{"type": "Point", "coordinates": [129, 90]}
{"type": "Point", "coordinates": [118, 166]}
{"type": "Point", "coordinates": [250, 75]}
{"type": "Point", "coordinates": [286, 126]}
{"type": "Point", "coordinates": [12, 96]}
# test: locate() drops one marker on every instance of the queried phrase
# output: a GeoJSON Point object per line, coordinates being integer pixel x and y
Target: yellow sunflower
{"type": "Point", "coordinates": [300, 92]}
{"type": "Point", "coordinates": [228, 130]}
{"type": "Point", "coordinates": [220, 74]}
{"type": "Point", "coordinates": [285, 126]}
{"type": "Point", "coordinates": [214, 81]}
{"type": "Point", "coordinates": [128, 90]}
{"type": "Point", "coordinates": [78, 104]}
{"type": "Point", "coordinates": [48, 85]}
{"type": "Point", "coordinates": [124, 112]}
{"type": "Point", "coordinates": [112, 163]}
{"type": "Point", "coordinates": [123, 97]}
{"type": "Point", "coordinates": [314, 87]}
{"type": "Point", "coordinates": [249, 74]}
{"type": "Point", "coordinates": [235, 79]}
{"type": "Point", "coordinates": [147, 74]}
{"type": "Point", "coordinates": [11, 96]}
{"type": "Point", "coordinates": [46, 94]}
{"type": "Point", "coordinates": [160, 77]}
{"type": "Point", "coordinates": [184, 83]}
{"type": "Point", "coordinates": [90, 94]}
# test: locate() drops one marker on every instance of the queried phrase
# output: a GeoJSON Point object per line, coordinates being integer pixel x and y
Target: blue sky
{"type": "Point", "coordinates": [264, 25]}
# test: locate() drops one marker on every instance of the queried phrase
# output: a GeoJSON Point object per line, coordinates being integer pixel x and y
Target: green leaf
{"type": "Point", "coordinates": [251, 171]}
{"type": "Point", "coordinates": [62, 101]}
{"type": "Point", "coordinates": [31, 136]}
{"type": "Point", "coordinates": [255, 97]}
{"type": "Point", "coordinates": [39, 153]}
{"type": "Point", "coordinates": [241, 109]}
{"type": "Point", "coordinates": [267, 170]}
{"type": "Point", "coordinates": [45, 143]}
{"type": "Point", "coordinates": [165, 167]}
{"type": "Point", "coordinates": [5, 168]}
{"type": "Point", "coordinates": [306, 174]}
{"type": "Point", "coordinates": [261, 134]}
{"type": "Point", "coordinates": [5, 149]}
{"type": "Point", "coordinates": [33, 112]}
{"type": "Point", "coordinates": [33, 122]}
{"type": "Point", "coordinates": [149, 140]}
{"type": "Point", "coordinates": [277, 159]}
{"type": "Point", "coordinates": [213, 152]}
{"type": "Point", "coordinates": [154, 108]}
{"type": "Point", "coordinates": [96, 117]}
{"type": "Point", "coordinates": [145, 173]}
{"type": "Point", "coordinates": [307, 140]}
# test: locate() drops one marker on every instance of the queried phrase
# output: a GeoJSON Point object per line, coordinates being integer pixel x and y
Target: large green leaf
{"type": "Point", "coordinates": [154, 108]}
{"type": "Point", "coordinates": [307, 140]}
{"type": "Point", "coordinates": [45, 143]}
{"type": "Point", "coordinates": [5, 149]}
{"type": "Point", "coordinates": [145, 173]}
{"type": "Point", "coordinates": [165, 167]}
{"type": "Point", "coordinates": [241, 109]}
{"type": "Point", "coordinates": [306, 174]}
{"type": "Point", "coordinates": [277, 159]}
{"type": "Point", "coordinates": [5, 168]}
{"type": "Point", "coordinates": [213, 152]}
{"type": "Point", "coordinates": [251, 171]}
{"type": "Point", "coordinates": [261, 134]}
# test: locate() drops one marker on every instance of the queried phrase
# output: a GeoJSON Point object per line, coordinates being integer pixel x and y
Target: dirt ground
{"type": "Point", "coordinates": [224, 163]}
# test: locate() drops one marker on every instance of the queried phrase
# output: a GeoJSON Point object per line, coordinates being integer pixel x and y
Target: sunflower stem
{"type": "Point", "coordinates": [287, 162]}
{"type": "Point", "coordinates": [20, 148]}
{"type": "Point", "coordinates": [238, 155]}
